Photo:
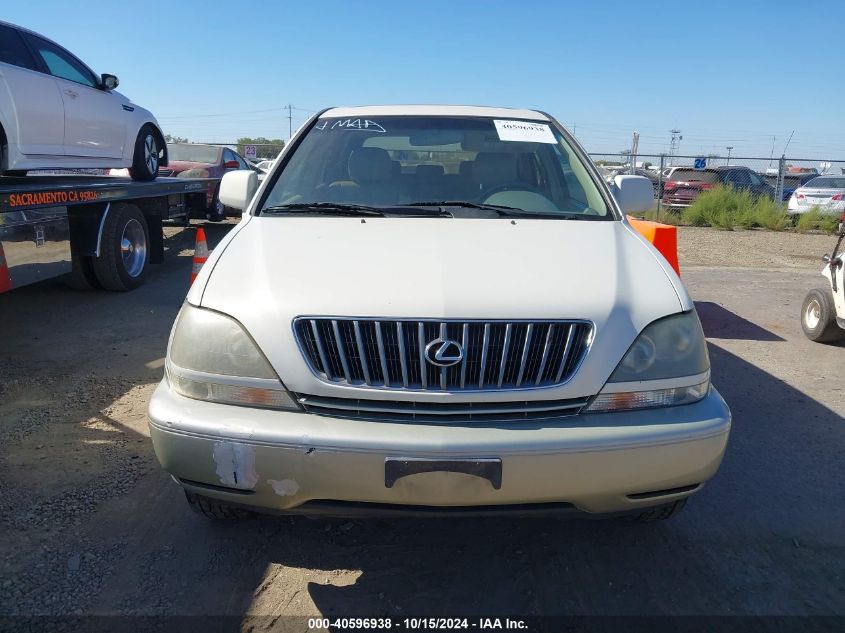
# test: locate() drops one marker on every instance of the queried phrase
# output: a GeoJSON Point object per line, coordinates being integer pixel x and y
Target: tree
{"type": "Point", "coordinates": [266, 148]}
{"type": "Point", "coordinates": [175, 139]}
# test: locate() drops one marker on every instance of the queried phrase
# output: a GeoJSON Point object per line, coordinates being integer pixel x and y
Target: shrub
{"type": "Point", "coordinates": [816, 220]}
{"type": "Point", "coordinates": [667, 216]}
{"type": "Point", "coordinates": [726, 208]}
{"type": "Point", "coordinates": [770, 215]}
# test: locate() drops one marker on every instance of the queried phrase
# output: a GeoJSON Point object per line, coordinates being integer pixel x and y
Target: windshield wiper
{"type": "Point", "coordinates": [502, 210]}
{"type": "Point", "coordinates": [340, 208]}
{"type": "Point", "coordinates": [329, 208]}
{"type": "Point", "coordinates": [464, 204]}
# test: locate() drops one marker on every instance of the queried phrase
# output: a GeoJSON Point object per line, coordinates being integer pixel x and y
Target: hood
{"type": "Point", "coordinates": [274, 269]}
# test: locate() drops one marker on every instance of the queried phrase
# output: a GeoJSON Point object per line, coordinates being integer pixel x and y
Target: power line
{"type": "Point", "coordinates": [202, 116]}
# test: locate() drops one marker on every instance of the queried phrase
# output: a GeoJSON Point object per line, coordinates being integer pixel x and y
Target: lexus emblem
{"type": "Point", "coordinates": [444, 352]}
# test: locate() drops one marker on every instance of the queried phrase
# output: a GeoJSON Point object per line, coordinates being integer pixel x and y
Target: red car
{"type": "Point", "coordinates": [190, 160]}
{"type": "Point", "coordinates": [683, 184]}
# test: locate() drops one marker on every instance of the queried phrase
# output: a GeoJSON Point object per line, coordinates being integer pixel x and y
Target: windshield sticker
{"type": "Point", "coordinates": [364, 125]}
{"type": "Point", "coordinates": [524, 131]}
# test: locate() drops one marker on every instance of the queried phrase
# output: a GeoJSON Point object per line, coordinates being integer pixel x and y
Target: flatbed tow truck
{"type": "Point", "coordinates": [101, 230]}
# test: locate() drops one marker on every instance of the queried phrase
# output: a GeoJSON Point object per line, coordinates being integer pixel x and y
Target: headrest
{"type": "Point", "coordinates": [367, 164]}
{"type": "Point", "coordinates": [429, 172]}
{"type": "Point", "coordinates": [490, 168]}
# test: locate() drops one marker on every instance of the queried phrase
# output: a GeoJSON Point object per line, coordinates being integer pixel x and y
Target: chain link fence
{"type": "Point", "coordinates": [780, 175]}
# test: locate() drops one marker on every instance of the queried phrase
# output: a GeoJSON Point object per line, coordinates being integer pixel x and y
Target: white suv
{"type": "Point", "coordinates": [56, 113]}
{"type": "Point", "coordinates": [437, 308]}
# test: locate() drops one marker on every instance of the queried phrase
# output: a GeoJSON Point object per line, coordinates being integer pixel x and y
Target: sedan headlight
{"type": "Point", "coordinates": [666, 365]}
{"type": "Point", "coordinates": [211, 357]}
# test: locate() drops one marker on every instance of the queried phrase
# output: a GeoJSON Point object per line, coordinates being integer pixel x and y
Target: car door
{"type": "Point", "coordinates": [32, 104]}
{"type": "Point", "coordinates": [760, 187]}
{"type": "Point", "coordinates": [738, 179]}
{"type": "Point", "coordinates": [95, 122]}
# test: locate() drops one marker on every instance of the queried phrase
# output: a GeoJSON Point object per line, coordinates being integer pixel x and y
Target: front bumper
{"type": "Point", "coordinates": [282, 461]}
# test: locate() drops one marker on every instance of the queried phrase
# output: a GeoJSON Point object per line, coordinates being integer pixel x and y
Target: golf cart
{"type": "Point", "coordinates": [823, 310]}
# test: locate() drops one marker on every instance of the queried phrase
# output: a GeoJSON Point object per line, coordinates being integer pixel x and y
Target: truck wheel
{"type": "Point", "coordinates": [216, 212]}
{"type": "Point", "coordinates": [818, 317]}
{"type": "Point", "coordinates": [124, 249]}
{"type": "Point", "coordinates": [660, 513]}
{"type": "Point", "coordinates": [145, 158]}
{"type": "Point", "coordinates": [213, 509]}
{"type": "Point", "coordinates": [82, 275]}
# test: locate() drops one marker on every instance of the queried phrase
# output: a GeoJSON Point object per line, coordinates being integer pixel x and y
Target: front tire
{"type": "Point", "coordinates": [213, 509]}
{"type": "Point", "coordinates": [146, 155]}
{"type": "Point", "coordinates": [124, 249]}
{"type": "Point", "coordinates": [660, 513]}
{"type": "Point", "coordinates": [818, 317]}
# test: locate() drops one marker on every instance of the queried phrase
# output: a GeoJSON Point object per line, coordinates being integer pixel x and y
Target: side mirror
{"type": "Point", "coordinates": [231, 164]}
{"type": "Point", "coordinates": [237, 188]}
{"type": "Point", "coordinates": [109, 82]}
{"type": "Point", "coordinates": [633, 193]}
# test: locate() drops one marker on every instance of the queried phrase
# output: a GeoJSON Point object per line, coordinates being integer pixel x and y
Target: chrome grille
{"type": "Point", "coordinates": [390, 354]}
{"type": "Point", "coordinates": [440, 413]}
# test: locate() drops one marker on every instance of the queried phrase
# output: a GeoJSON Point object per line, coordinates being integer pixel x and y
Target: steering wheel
{"type": "Point", "coordinates": [511, 186]}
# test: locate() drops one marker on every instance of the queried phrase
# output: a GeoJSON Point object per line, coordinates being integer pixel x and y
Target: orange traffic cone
{"type": "Point", "coordinates": [5, 277]}
{"type": "Point", "coordinates": [200, 253]}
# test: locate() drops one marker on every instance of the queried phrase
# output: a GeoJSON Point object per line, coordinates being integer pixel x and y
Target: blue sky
{"type": "Point", "coordinates": [725, 73]}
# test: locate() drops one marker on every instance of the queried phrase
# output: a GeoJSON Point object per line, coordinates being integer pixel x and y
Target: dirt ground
{"type": "Point", "coordinates": [755, 249]}
{"type": "Point", "coordinates": [91, 525]}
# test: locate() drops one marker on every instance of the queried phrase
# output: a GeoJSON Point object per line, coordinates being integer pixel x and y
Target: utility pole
{"type": "Point", "coordinates": [635, 143]}
{"type": "Point", "coordinates": [290, 121]}
{"type": "Point", "coordinates": [675, 143]}
{"type": "Point", "coordinates": [729, 148]}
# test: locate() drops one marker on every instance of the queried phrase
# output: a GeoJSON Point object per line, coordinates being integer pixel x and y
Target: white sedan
{"type": "Point", "coordinates": [825, 193]}
{"type": "Point", "coordinates": [56, 113]}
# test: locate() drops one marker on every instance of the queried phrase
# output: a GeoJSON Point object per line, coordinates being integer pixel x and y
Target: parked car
{"type": "Point", "coordinates": [684, 184]}
{"type": "Point", "coordinates": [193, 160]}
{"type": "Point", "coordinates": [609, 173]}
{"type": "Point", "coordinates": [56, 113]}
{"type": "Point", "coordinates": [791, 182]}
{"type": "Point", "coordinates": [386, 332]}
{"type": "Point", "coordinates": [826, 193]}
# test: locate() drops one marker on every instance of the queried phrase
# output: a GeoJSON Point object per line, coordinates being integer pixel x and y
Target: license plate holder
{"type": "Point", "coordinates": [395, 468]}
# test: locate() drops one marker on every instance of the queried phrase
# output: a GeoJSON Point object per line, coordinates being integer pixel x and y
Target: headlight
{"type": "Point", "coordinates": [666, 365]}
{"type": "Point", "coordinates": [211, 357]}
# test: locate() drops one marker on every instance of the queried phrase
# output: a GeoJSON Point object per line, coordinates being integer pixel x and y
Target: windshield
{"type": "Point", "coordinates": [694, 175]}
{"type": "Point", "coordinates": [194, 153]}
{"type": "Point", "coordinates": [826, 182]}
{"type": "Point", "coordinates": [789, 182]}
{"type": "Point", "coordinates": [407, 160]}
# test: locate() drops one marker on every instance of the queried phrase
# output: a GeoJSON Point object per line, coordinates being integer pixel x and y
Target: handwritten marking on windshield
{"type": "Point", "coordinates": [352, 124]}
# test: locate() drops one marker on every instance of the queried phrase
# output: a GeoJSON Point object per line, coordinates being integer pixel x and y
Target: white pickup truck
{"type": "Point", "coordinates": [437, 309]}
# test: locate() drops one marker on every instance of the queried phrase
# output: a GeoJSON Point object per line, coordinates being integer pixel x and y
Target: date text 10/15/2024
{"type": "Point", "coordinates": [417, 624]}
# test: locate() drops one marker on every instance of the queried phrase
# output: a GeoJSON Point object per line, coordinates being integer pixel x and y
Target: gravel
{"type": "Point", "coordinates": [91, 524]}
{"type": "Point", "coordinates": [755, 248]}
